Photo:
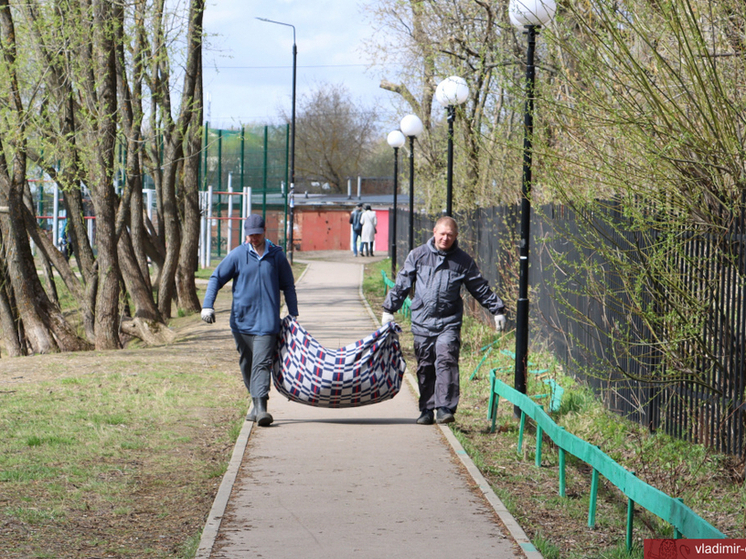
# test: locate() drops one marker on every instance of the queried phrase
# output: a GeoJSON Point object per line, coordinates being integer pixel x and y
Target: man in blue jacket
{"type": "Point", "coordinates": [438, 269]}
{"type": "Point", "coordinates": [259, 270]}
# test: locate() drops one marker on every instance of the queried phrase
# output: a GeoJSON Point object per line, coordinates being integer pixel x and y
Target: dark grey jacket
{"type": "Point", "coordinates": [438, 277]}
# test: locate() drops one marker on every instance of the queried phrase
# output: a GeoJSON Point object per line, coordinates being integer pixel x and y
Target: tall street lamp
{"type": "Point", "coordinates": [530, 14]}
{"type": "Point", "coordinates": [396, 140]}
{"type": "Point", "coordinates": [411, 126]}
{"type": "Point", "coordinates": [291, 191]}
{"type": "Point", "coordinates": [449, 93]}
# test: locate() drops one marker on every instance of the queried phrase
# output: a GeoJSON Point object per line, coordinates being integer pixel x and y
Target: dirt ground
{"type": "Point", "coordinates": [171, 505]}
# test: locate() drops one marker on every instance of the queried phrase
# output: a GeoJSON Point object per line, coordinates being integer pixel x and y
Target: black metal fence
{"type": "Point", "coordinates": [581, 309]}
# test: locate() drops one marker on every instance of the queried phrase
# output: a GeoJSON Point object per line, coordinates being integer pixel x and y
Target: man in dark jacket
{"type": "Point", "coordinates": [438, 269]}
{"type": "Point", "coordinates": [259, 271]}
{"type": "Point", "coordinates": [356, 226]}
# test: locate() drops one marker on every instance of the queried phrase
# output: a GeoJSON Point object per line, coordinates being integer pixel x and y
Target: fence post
{"type": "Point", "coordinates": [676, 533]}
{"type": "Point", "coordinates": [91, 238]}
{"type": "Point", "coordinates": [520, 432]}
{"type": "Point", "coordinates": [630, 520]}
{"type": "Point", "coordinates": [202, 228]}
{"type": "Point", "coordinates": [208, 232]}
{"type": "Point", "coordinates": [204, 155]}
{"type": "Point", "coordinates": [264, 174]}
{"type": "Point", "coordinates": [55, 216]}
{"type": "Point", "coordinates": [539, 440]}
{"type": "Point", "coordinates": [220, 188]}
{"type": "Point", "coordinates": [229, 240]}
{"type": "Point", "coordinates": [562, 478]}
{"type": "Point", "coordinates": [284, 191]}
{"type": "Point", "coordinates": [246, 201]}
{"type": "Point", "coordinates": [592, 502]}
{"type": "Point", "coordinates": [494, 401]}
{"type": "Point", "coordinates": [149, 201]}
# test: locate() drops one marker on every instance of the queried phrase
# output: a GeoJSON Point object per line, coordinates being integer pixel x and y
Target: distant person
{"type": "Point", "coordinates": [259, 271]}
{"type": "Point", "coordinates": [368, 235]}
{"type": "Point", "coordinates": [439, 268]}
{"type": "Point", "coordinates": [65, 243]}
{"type": "Point", "coordinates": [356, 226]}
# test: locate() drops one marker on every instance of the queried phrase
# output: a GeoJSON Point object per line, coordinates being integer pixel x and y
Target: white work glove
{"type": "Point", "coordinates": [500, 322]}
{"type": "Point", "coordinates": [386, 318]}
{"type": "Point", "coordinates": [208, 315]}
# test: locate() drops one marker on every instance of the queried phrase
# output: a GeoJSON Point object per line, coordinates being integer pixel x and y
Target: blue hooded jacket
{"type": "Point", "coordinates": [257, 282]}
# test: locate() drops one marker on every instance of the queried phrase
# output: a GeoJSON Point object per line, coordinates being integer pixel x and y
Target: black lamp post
{"type": "Point", "coordinates": [411, 127]}
{"type": "Point", "coordinates": [449, 93]}
{"type": "Point", "coordinates": [530, 14]}
{"type": "Point", "coordinates": [291, 191]}
{"type": "Point", "coordinates": [396, 140]}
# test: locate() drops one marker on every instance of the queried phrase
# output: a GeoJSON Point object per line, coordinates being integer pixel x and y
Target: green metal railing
{"type": "Point", "coordinates": [388, 284]}
{"type": "Point", "coordinates": [683, 519]}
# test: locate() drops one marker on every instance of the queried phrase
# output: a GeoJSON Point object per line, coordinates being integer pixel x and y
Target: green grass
{"type": "Point", "coordinates": [82, 446]}
{"type": "Point", "coordinates": [547, 549]}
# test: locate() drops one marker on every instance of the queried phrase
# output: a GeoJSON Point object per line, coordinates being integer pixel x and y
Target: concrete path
{"type": "Point", "coordinates": [363, 482]}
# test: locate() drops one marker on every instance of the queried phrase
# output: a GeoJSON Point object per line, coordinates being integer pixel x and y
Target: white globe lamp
{"type": "Point", "coordinates": [396, 139]}
{"type": "Point", "coordinates": [531, 12]}
{"type": "Point", "coordinates": [452, 91]}
{"type": "Point", "coordinates": [411, 126]}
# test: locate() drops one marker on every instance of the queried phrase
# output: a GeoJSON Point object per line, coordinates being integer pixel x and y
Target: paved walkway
{"type": "Point", "coordinates": [363, 482]}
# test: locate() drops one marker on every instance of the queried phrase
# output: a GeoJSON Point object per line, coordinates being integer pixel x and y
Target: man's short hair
{"type": "Point", "coordinates": [447, 220]}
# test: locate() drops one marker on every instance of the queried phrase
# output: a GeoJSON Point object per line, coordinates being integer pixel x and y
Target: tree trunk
{"type": "Point", "coordinates": [185, 287]}
{"type": "Point", "coordinates": [45, 328]}
{"type": "Point", "coordinates": [102, 96]}
{"type": "Point", "coordinates": [8, 319]}
{"type": "Point", "coordinates": [137, 289]}
{"type": "Point", "coordinates": [173, 135]}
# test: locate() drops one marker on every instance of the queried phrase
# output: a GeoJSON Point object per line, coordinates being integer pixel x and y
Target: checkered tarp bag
{"type": "Point", "coordinates": [365, 372]}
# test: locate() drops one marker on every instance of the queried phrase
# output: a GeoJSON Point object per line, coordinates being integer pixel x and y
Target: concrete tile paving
{"type": "Point", "coordinates": [359, 482]}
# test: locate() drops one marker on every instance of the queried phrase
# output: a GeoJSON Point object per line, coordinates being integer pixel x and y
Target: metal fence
{"type": "Point", "coordinates": [585, 318]}
{"type": "Point", "coordinates": [252, 156]}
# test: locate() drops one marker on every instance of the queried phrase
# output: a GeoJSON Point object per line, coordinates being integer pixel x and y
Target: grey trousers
{"type": "Point", "coordinates": [255, 359]}
{"type": "Point", "coordinates": [437, 369]}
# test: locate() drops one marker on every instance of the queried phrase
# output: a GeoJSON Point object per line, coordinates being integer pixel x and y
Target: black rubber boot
{"type": "Point", "coordinates": [263, 418]}
{"type": "Point", "coordinates": [444, 415]}
{"type": "Point", "coordinates": [426, 418]}
{"type": "Point", "coordinates": [252, 411]}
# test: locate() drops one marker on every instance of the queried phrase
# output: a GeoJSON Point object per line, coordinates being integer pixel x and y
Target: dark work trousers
{"type": "Point", "coordinates": [437, 369]}
{"type": "Point", "coordinates": [256, 353]}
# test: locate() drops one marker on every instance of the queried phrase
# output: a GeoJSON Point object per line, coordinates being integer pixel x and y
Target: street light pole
{"type": "Point", "coordinates": [449, 93]}
{"type": "Point", "coordinates": [521, 336]}
{"type": "Point", "coordinates": [291, 190]}
{"type": "Point", "coordinates": [396, 140]}
{"type": "Point", "coordinates": [529, 14]}
{"type": "Point", "coordinates": [411, 126]}
{"type": "Point", "coordinates": [449, 168]}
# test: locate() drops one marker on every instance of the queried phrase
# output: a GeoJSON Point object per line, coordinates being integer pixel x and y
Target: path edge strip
{"type": "Point", "coordinates": [212, 525]}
